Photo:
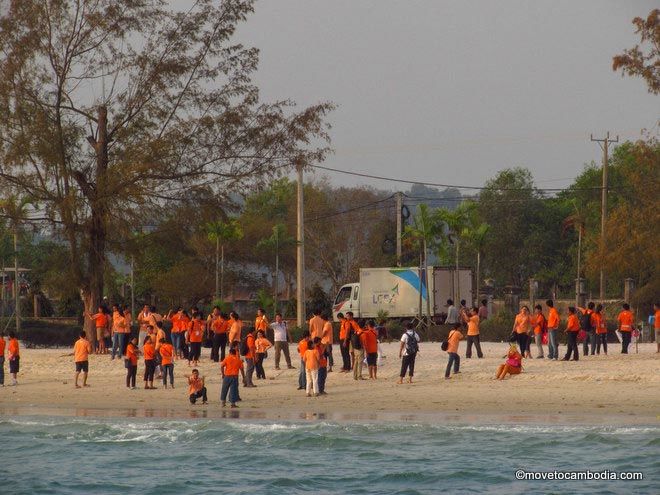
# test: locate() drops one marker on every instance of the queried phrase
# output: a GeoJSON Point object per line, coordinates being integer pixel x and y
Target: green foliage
{"type": "Point", "coordinates": [318, 299]}
{"type": "Point", "coordinates": [40, 333]}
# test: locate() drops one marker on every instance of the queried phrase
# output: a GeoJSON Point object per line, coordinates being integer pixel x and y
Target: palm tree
{"type": "Point", "coordinates": [221, 233]}
{"type": "Point", "coordinates": [456, 221]}
{"type": "Point", "coordinates": [278, 240]}
{"type": "Point", "coordinates": [578, 222]}
{"type": "Point", "coordinates": [476, 237]}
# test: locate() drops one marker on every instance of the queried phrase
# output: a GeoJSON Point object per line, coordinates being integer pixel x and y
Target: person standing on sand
{"type": "Point", "coordinates": [483, 310]}
{"type": "Point", "coordinates": [235, 328]}
{"type": "Point", "coordinates": [144, 319]}
{"type": "Point", "coordinates": [132, 353]}
{"type": "Point", "coordinates": [452, 313]}
{"type": "Point", "coordinates": [81, 351]}
{"type": "Point", "coordinates": [282, 339]}
{"type": "Point", "coordinates": [408, 352]}
{"type": "Point", "coordinates": [370, 344]}
{"type": "Point", "coordinates": [626, 321]}
{"type": "Point", "coordinates": [540, 326]}
{"type": "Point", "coordinates": [472, 320]}
{"type": "Point", "coordinates": [14, 357]}
{"type": "Point", "coordinates": [195, 337]}
{"type": "Point", "coordinates": [166, 352]}
{"type": "Point", "coordinates": [322, 351]}
{"type": "Point", "coordinates": [2, 359]}
{"type": "Point", "coordinates": [149, 352]}
{"type": "Point", "coordinates": [453, 339]}
{"type": "Point", "coordinates": [218, 326]}
{"type": "Point", "coordinates": [344, 345]}
{"type": "Point", "coordinates": [101, 324]}
{"type": "Point", "coordinates": [553, 329]}
{"type": "Point", "coordinates": [327, 338]}
{"type": "Point", "coordinates": [303, 345]}
{"type": "Point", "coordinates": [572, 329]}
{"type": "Point", "coordinates": [316, 324]}
{"type": "Point", "coordinates": [599, 323]}
{"type": "Point", "coordinates": [229, 368]}
{"type": "Point", "coordinates": [656, 325]}
{"type": "Point", "coordinates": [118, 331]}
{"type": "Point", "coordinates": [249, 353]}
{"type": "Point", "coordinates": [261, 346]}
{"type": "Point", "coordinates": [521, 327]}
{"type": "Point", "coordinates": [311, 359]}
{"type": "Point", "coordinates": [261, 321]}
{"type": "Point", "coordinates": [586, 325]}
{"type": "Point", "coordinates": [196, 388]}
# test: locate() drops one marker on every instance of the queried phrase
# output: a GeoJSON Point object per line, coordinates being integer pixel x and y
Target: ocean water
{"type": "Point", "coordinates": [66, 455]}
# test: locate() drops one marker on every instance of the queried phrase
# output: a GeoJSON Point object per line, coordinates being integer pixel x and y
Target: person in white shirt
{"type": "Point", "coordinates": [282, 339]}
{"type": "Point", "coordinates": [408, 352]}
{"type": "Point", "coordinates": [452, 313]}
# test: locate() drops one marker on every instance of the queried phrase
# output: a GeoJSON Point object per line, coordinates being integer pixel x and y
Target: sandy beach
{"type": "Point", "coordinates": [613, 389]}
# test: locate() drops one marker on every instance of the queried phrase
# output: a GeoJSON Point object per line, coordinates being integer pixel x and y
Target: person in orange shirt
{"type": "Point", "coordinates": [166, 352]}
{"type": "Point", "coordinates": [553, 329]}
{"type": "Point", "coordinates": [327, 338]}
{"type": "Point", "coordinates": [453, 339]}
{"type": "Point", "coordinates": [261, 345]}
{"type": "Point", "coordinates": [316, 325]}
{"type": "Point", "coordinates": [626, 321]}
{"type": "Point", "coordinates": [303, 345]}
{"type": "Point", "coordinates": [149, 352]}
{"type": "Point", "coordinates": [322, 351]}
{"type": "Point", "coordinates": [81, 350]}
{"type": "Point", "coordinates": [195, 337]}
{"type": "Point", "coordinates": [131, 359]}
{"type": "Point", "coordinates": [196, 388]}
{"type": "Point", "coordinates": [229, 368]}
{"type": "Point", "coordinates": [512, 366]}
{"type": "Point", "coordinates": [356, 347]}
{"type": "Point", "coordinates": [235, 328]}
{"type": "Point", "coordinates": [344, 344]}
{"type": "Point", "coordinates": [311, 360]}
{"type": "Point", "coordinates": [370, 342]}
{"type": "Point", "coordinates": [180, 320]}
{"type": "Point", "coordinates": [14, 357]}
{"type": "Point", "coordinates": [249, 351]}
{"type": "Point", "coordinates": [540, 327]}
{"type": "Point", "coordinates": [101, 324]}
{"type": "Point", "coordinates": [2, 359]}
{"type": "Point", "coordinates": [586, 324]}
{"type": "Point", "coordinates": [119, 331]}
{"type": "Point", "coordinates": [656, 325]}
{"type": "Point", "coordinates": [600, 326]}
{"type": "Point", "coordinates": [218, 327]}
{"type": "Point", "coordinates": [261, 321]}
{"type": "Point", "coordinates": [572, 329]}
{"type": "Point", "coordinates": [472, 319]}
{"type": "Point", "coordinates": [521, 327]}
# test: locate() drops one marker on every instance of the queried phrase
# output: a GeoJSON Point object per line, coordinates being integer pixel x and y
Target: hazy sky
{"type": "Point", "coordinates": [453, 91]}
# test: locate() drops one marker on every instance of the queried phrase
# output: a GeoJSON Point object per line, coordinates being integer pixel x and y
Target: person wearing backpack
{"type": "Point", "coordinates": [453, 339]}
{"type": "Point", "coordinates": [408, 352]}
{"type": "Point", "coordinates": [587, 325]}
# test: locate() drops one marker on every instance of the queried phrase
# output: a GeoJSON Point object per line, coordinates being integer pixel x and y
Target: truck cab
{"type": "Point", "coordinates": [348, 299]}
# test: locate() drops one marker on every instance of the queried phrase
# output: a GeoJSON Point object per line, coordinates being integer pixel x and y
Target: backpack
{"type": "Point", "coordinates": [243, 347]}
{"type": "Point", "coordinates": [356, 342]}
{"type": "Point", "coordinates": [412, 346]}
{"type": "Point", "coordinates": [445, 343]}
{"type": "Point", "coordinates": [585, 321]}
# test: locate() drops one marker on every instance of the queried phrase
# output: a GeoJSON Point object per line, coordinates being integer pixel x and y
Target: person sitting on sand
{"type": "Point", "coordinates": [81, 350]}
{"type": "Point", "coordinates": [196, 388]}
{"type": "Point", "coordinates": [512, 366]}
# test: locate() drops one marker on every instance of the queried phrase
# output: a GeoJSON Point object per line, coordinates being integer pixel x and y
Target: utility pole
{"type": "Point", "coordinates": [300, 251]}
{"type": "Point", "coordinates": [604, 144]}
{"type": "Point", "coordinates": [132, 286]}
{"type": "Point", "coordinates": [399, 226]}
{"type": "Point", "coordinates": [17, 287]}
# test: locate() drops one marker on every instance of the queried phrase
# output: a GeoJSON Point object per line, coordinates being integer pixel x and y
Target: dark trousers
{"type": "Point", "coordinates": [195, 351]}
{"type": "Point", "coordinates": [625, 342]}
{"type": "Point", "coordinates": [197, 395]}
{"type": "Point", "coordinates": [323, 375]}
{"type": "Point", "coordinates": [131, 374]}
{"type": "Point", "coordinates": [408, 364]}
{"type": "Point", "coordinates": [259, 365]}
{"type": "Point", "coordinates": [588, 340]}
{"type": "Point", "coordinates": [168, 369]}
{"type": "Point", "coordinates": [473, 339]}
{"type": "Point", "coordinates": [218, 347]}
{"type": "Point", "coordinates": [454, 359]}
{"type": "Point", "coordinates": [523, 342]}
{"type": "Point", "coordinates": [149, 370]}
{"type": "Point", "coordinates": [229, 384]}
{"type": "Point", "coordinates": [282, 347]}
{"type": "Point", "coordinates": [302, 376]}
{"type": "Point", "coordinates": [601, 339]}
{"type": "Point", "coordinates": [345, 357]}
{"type": "Point", "coordinates": [571, 346]}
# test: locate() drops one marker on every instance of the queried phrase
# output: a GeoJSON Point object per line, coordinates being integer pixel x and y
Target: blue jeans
{"type": "Point", "coordinates": [229, 384]}
{"type": "Point", "coordinates": [168, 369]}
{"type": "Point", "coordinates": [323, 374]}
{"type": "Point", "coordinates": [117, 343]}
{"type": "Point", "coordinates": [553, 346]}
{"type": "Point", "coordinates": [249, 371]}
{"type": "Point", "coordinates": [454, 359]}
{"type": "Point", "coordinates": [176, 342]}
{"type": "Point", "coordinates": [2, 370]}
{"type": "Point", "coordinates": [302, 377]}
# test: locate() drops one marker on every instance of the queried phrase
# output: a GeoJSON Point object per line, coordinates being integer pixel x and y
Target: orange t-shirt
{"type": "Point", "coordinates": [196, 331]}
{"type": "Point", "coordinates": [323, 360]}
{"type": "Point", "coordinates": [160, 334]}
{"type": "Point", "coordinates": [100, 320]}
{"type": "Point", "coordinates": [539, 321]}
{"type": "Point", "coordinates": [454, 338]}
{"type": "Point", "coordinates": [2, 346]}
{"type": "Point", "coordinates": [656, 322]}
{"type": "Point", "coordinates": [179, 323]}
{"type": "Point", "coordinates": [235, 330]}
{"type": "Point", "coordinates": [149, 351]}
{"type": "Point", "coordinates": [194, 385]}
{"type": "Point", "coordinates": [262, 344]}
{"type": "Point", "coordinates": [219, 325]}
{"type": "Point", "coordinates": [553, 319]}
{"type": "Point", "coordinates": [473, 325]}
{"type": "Point", "coordinates": [261, 323]}
{"type": "Point", "coordinates": [626, 320]}
{"type": "Point", "coordinates": [13, 348]}
{"type": "Point", "coordinates": [598, 322]}
{"type": "Point", "coordinates": [302, 347]}
{"type": "Point", "coordinates": [251, 346]}
{"type": "Point", "coordinates": [344, 327]}
{"type": "Point", "coordinates": [370, 341]}
{"type": "Point", "coordinates": [132, 354]}
{"type": "Point", "coordinates": [81, 350]}
{"type": "Point", "coordinates": [315, 327]}
{"type": "Point", "coordinates": [166, 353]}
{"type": "Point", "coordinates": [311, 358]}
{"type": "Point", "coordinates": [119, 323]}
{"type": "Point", "coordinates": [573, 324]}
{"type": "Point", "coordinates": [232, 365]}
{"type": "Point", "coordinates": [327, 335]}
{"type": "Point", "coordinates": [522, 323]}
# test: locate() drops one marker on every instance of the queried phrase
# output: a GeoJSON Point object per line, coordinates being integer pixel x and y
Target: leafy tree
{"type": "Point", "coordinates": [638, 62]}
{"type": "Point", "coordinates": [278, 240]}
{"type": "Point", "coordinates": [222, 233]}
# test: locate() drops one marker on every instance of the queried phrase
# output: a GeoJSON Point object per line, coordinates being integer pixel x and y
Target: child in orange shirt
{"type": "Point", "coordinates": [302, 347]}
{"type": "Point", "coordinates": [149, 351]}
{"type": "Point", "coordinates": [196, 388]}
{"type": "Point", "coordinates": [453, 340]}
{"type": "Point", "coordinates": [261, 344]}
{"type": "Point", "coordinates": [81, 350]}
{"type": "Point", "coordinates": [311, 359]}
{"type": "Point", "coordinates": [322, 350]}
{"type": "Point", "coordinates": [131, 360]}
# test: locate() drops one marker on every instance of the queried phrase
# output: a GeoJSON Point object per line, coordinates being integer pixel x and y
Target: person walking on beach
{"type": "Point", "coordinates": [303, 345]}
{"type": "Point", "coordinates": [408, 350]}
{"type": "Point", "coordinates": [282, 339]}
{"type": "Point", "coordinates": [370, 343]}
{"type": "Point", "coordinates": [626, 321]}
{"type": "Point", "coordinates": [311, 359]}
{"type": "Point", "coordinates": [453, 339]}
{"type": "Point", "coordinates": [540, 327]}
{"type": "Point", "coordinates": [472, 320]}
{"type": "Point", "coordinates": [166, 352]}
{"type": "Point", "coordinates": [521, 327]}
{"type": "Point", "coordinates": [196, 388]}
{"type": "Point", "coordinates": [344, 345]}
{"type": "Point", "coordinates": [553, 329]}
{"type": "Point", "coordinates": [81, 350]}
{"type": "Point", "coordinates": [131, 357]}
{"type": "Point", "coordinates": [600, 326]}
{"type": "Point", "coordinates": [14, 357]}
{"type": "Point", "coordinates": [261, 346]}
{"type": "Point", "coordinates": [149, 353]}
{"type": "Point", "coordinates": [230, 367]}
{"type": "Point", "coordinates": [572, 329]}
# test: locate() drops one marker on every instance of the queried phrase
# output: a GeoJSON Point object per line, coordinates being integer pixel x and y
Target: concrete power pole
{"type": "Point", "coordinates": [603, 206]}
{"type": "Point", "coordinates": [399, 227]}
{"type": "Point", "coordinates": [17, 286]}
{"type": "Point", "coordinates": [300, 251]}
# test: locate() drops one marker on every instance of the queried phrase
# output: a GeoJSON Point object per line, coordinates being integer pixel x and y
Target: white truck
{"type": "Point", "coordinates": [396, 291]}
